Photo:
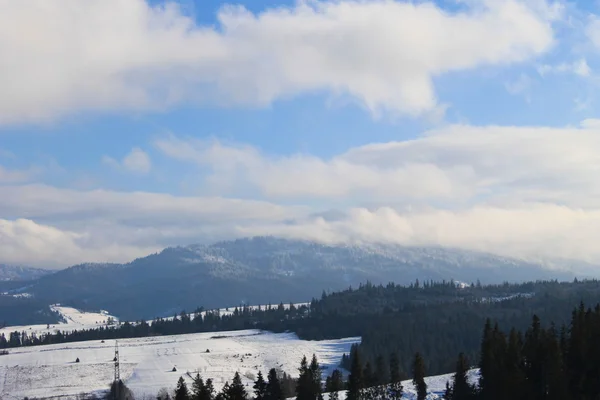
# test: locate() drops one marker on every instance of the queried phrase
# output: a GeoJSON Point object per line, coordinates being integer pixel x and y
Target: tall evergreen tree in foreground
{"type": "Point", "coordinates": [461, 389]}
{"type": "Point", "coordinates": [316, 378]}
{"type": "Point", "coordinates": [396, 388]}
{"type": "Point", "coordinates": [181, 392]}
{"type": "Point", "coordinates": [334, 384]}
{"type": "Point", "coordinates": [303, 386]}
{"type": "Point", "coordinates": [236, 390]}
{"type": "Point", "coordinates": [260, 387]}
{"type": "Point", "coordinates": [208, 392]}
{"type": "Point", "coordinates": [355, 380]}
{"type": "Point", "coordinates": [419, 377]}
{"type": "Point", "coordinates": [273, 389]}
{"type": "Point", "coordinates": [197, 388]}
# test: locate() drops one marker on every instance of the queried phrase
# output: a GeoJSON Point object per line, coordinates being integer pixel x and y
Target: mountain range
{"type": "Point", "coordinates": [260, 270]}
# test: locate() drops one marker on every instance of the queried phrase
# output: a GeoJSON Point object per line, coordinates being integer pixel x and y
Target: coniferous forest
{"type": "Point", "coordinates": [539, 363]}
{"type": "Point", "coordinates": [434, 319]}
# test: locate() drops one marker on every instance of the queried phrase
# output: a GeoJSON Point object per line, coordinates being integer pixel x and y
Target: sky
{"type": "Point", "coordinates": [127, 126]}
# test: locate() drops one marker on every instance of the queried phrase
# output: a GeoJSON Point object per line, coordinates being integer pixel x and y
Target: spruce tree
{"type": "Point", "coordinates": [208, 392]}
{"type": "Point", "coordinates": [273, 389]}
{"type": "Point", "coordinates": [236, 391]}
{"type": "Point", "coordinates": [197, 388]}
{"type": "Point", "coordinates": [382, 375]}
{"type": "Point", "coordinates": [419, 377]}
{"type": "Point", "coordinates": [355, 380]}
{"type": "Point", "coordinates": [395, 374]}
{"type": "Point", "coordinates": [448, 391]}
{"type": "Point", "coordinates": [369, 376]}
{"type": "Point", "coordinates": [396, 388]}
{"type": "Point", "coordinates": [461, 388]}
{"type": "Point", "coordinates": [515, 376]}
{"type": "Point", "coordinates": [305, 383]}
{"type": "Point", "coordinates": [260, 387]}
{"type": "Point", "coordinates": [182, 393]}
{"type": "Point", "coordinates": [315, 376]}
{"type": "Point", "coordinates": [334, 384]}
{"type": "Point", "coordinates": [224, 394]}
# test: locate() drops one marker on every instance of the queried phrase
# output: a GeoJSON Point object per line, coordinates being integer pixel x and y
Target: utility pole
{"type": "Point", "coordinates": [117, 381]}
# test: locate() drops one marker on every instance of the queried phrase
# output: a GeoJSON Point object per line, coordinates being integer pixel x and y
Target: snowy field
{"type": "Point", "coordinates": [436, 386]}
{"type": "Point", "coordinates": [78, 320]}
{"type": "Point", "coordinates": [147, 363]}
{"type": "Point", "coordinates": [75, 320]}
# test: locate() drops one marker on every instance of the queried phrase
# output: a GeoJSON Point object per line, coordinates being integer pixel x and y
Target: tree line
{"type": "Point", "coordinates": [433, 318]}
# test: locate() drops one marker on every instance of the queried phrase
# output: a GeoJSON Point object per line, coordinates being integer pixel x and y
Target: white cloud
{"type": "Point", "coordinates": [579, 67]}
{"type": "Point", "coordinates": [518, 191]}
{"type": "Point", "coordinates": [16, 176]}
{"type": "Point", "coordinates": [52, 227]}
{"type": "Point", "coordinates": [24, 241]}
{"type": "Point", "coordinates": [455, 164]}
{"type": "Point", "coordinates": [115, 55]}
{"type": "Point", "coordinates": [137, 161]}
{"type": "Point", "coordinates": [532, 231]}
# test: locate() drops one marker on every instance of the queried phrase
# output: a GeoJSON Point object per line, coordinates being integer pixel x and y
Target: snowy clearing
{"type": "Point", "coordinates": [436, 386]}
{"type": "Point", "coordinates": [147, 363]}
{"type": "Point", "coordinates": [75, 320]}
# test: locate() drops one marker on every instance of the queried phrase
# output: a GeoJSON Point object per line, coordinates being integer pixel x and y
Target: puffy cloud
{"type": "Point", "coordinates": [518, 191]}
{"type": "Point", "coordinates": [456, 163]}
{"type": "Point", "coordinates": [137, 161]}
{"type": "Point", "coordinates": [52, 227]}
{"type": "Point", "coordinates": [534, 231]}
{"type": "Point", "coordinates": [115, 55]}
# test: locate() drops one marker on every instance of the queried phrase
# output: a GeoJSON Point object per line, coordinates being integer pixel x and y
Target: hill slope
{"type": "Point", "coordinates": [18, 273]}
{"type": "Point", "coordinates": [262, 270]}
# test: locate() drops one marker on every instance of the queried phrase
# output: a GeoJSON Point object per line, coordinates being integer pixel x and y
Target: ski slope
{"type": "Point", "coordinates": [147, 363]}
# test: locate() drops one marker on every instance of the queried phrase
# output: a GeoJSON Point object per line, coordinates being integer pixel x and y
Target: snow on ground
{"type": "Point", "coordinates": [436, 386]}
{"type": "Point", "coordinates": [147, 363]}
{"type": "Point", "coordinates": [75, 320]}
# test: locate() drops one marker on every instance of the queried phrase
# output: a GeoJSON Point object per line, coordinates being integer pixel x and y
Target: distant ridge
{"type": "Point", "coordinates": [260, 270]}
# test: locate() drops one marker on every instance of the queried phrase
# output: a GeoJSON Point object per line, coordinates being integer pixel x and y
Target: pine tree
{"type": "Point", "coordinates": [355, 380]}
{"type": "Point", "coordinates": [236, 391]}
{"type": "Point", "coordinates": [395, 374]}
{"type": "Point", "coordinates": [334, 384]}
{"type": "Point", "coordinates": [208, 392]}
{"type": "Point", "coordinates": [369, 376]}
{"type": "Point", "coordinates": [396, 388]}
{"type": "Point", "coordinates": [382, 375]}
{"type": "Point", "coordinates": [419, 377]}
{"type": "Point", "coordinates": [304, 384]}
{"type": "Point", "coordinates": [315, 378]}
{"type": "Point", "coordinates": [461, 388]}
{"type": "Point", "coordinates": [197, 388]}
{"type": "Point", "coordinates": [515, 376]}
{"type": "Point", "coordinates": [260, 387]}
{"type": "Point", "coordinates": [182, 393]}
{"type": "Point", "coordinates": [273, 389]}
{"type": "Point", "coordinates": [448, 391]}
{"type": "Point", "coordinates": [224, 394]}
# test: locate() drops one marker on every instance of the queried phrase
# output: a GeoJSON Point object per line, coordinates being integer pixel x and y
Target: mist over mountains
{"type": "Point", "coordinates": [260, 270]}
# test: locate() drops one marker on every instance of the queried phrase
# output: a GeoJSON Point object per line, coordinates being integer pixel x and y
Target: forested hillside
{"type": "Point", "coordinates": [432, 318]}
{"type": "Point", "coordinates": [259, 270]}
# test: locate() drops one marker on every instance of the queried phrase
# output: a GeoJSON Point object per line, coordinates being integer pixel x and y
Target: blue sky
{"type": "Point", "coordinates": [128, 126]}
